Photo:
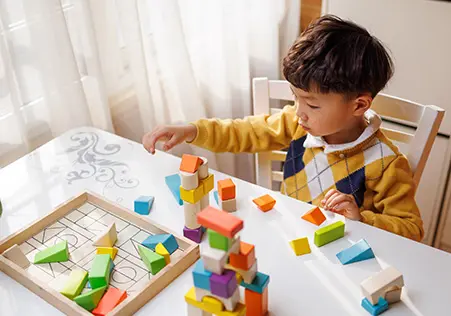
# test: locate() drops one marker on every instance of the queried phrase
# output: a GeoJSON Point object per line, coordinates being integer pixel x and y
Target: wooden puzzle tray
{"type": "Point", "coordinates": [79, 221]}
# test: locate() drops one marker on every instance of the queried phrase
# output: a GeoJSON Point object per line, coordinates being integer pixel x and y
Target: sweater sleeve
{"type": "Point", "coordinates": [251, 134]}
{"type": "Point", "coordinates": [394, 201]}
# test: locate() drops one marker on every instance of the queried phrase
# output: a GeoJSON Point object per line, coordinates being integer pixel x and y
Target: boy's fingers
{"type": "Point", "coordinates": [329, 194]}
{"type": "Point", "coordinates": [338, 200]}
{"type": "Point", "coordinates": [171, 142]}
{"type": "Point", "coordinates": [153, 138]}
{"type": "Point", "coordinates": [330, 199]}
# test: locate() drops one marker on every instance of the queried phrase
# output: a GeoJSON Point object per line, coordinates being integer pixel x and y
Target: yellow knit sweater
{"type": "Point", "coordinates": [371, 168]}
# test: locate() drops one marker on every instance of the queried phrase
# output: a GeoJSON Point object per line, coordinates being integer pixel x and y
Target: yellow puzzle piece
{"type": "Point", "coordinates": [112, 251]}
{"type": "Point", "coordinates": [210, 306]}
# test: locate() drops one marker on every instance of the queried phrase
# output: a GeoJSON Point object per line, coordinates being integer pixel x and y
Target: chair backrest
{"type": "Point", "coordinates": [426, 119]}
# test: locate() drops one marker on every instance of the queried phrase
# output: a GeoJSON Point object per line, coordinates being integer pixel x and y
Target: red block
{"type": "Point", "coordinates": [109, 301]}
{"type": "Point", "coordinates": [219, 221]}
{"type": "Point", "coordinates": [256, 303]}
{"type": "Point", "coordinates": [245, 258]}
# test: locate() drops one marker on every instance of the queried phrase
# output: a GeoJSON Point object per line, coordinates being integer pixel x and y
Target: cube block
{"type": "Point", "coordinates": [192, 196]}
{"type": "Point", "coordinates": [193, 234]}
{"type": "Point", "coordinates": [143, 204]}
{"type": "Point", "coordinates": [208, 183]}
{"type": "Point", "coordinates": [218, 241]}
{"type": "Point", "coordinates": [226, 189]}
{"type": "Point", "coordinates": [201, 277]}
{"type": "Point", "coordinates": [245, 258]}
{"type": "Point", "coordinates": [223, 285]}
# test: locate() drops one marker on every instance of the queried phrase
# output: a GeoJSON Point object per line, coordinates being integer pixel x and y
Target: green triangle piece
{"type": "Point", "coordinates": [91, 299]}
{"type": "Point", "coordinates": [153, 261]}
{"type": "Point", "coordinates": [56, 253]}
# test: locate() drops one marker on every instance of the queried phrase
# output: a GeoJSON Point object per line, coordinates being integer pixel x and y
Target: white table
{"type": "Point", "coordinates": [121, 170]}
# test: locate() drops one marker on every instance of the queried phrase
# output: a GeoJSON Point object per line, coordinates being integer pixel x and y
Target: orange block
{"type": "Point", "coordinates": [245, 258]}
{"type": "Point", "coordinates": [226, 189]}
{"type": "Point", "coordinates": [265, 202]}
{"type": "Point", "coordinates": [222, 222]}
{"type": "Point", "coordinates": [190, 163]}
{"type": "Point", "coordinates": [314, 216]}
{"type": "Point", "coordinates": [256, 303]}
{"type": "Point", "coordinates": [109, 301]}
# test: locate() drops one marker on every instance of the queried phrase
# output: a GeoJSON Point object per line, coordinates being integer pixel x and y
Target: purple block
{"type": "Point", "coordinates": [193, 234]}
{"type": "Point", "coordinates": [223, 285]}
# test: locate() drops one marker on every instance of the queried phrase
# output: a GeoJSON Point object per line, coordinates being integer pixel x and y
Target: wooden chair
{"type": "Point", "coordinates": [426, 118]}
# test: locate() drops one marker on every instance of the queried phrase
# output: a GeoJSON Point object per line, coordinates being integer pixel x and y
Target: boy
{"type": "Point", "coordinates": [337, 156]}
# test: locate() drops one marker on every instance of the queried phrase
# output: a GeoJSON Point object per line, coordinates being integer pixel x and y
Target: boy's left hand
{"type": "Point", "coordinates": [341, 203]}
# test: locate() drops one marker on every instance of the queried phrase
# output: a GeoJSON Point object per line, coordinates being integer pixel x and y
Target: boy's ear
{"type": "Point", "coordinates": [362, 103]}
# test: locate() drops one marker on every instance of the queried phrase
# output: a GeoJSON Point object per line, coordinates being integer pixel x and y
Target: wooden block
{"type": "Point", "coordinates": [192, 196]}
{"type": "Point", "coordinates": [224, 284]}
{"type": "Point", "coordinates": [329, 233]}
{"type": "Point", "coordinates": [193, 234]}
{"type": "Point", "coordinates": [190, 163]}
{"type": "Point", "coordinates": [259, 283]}
{"type": "Point", "coordinates": [208, 183]}
{"type": "Point", "coordinates": [190, 298]}
{"type": "Point", "coordinates": [247, 275]}
{"type": "Point", "coordinates": [228, 206]}
{"type": "Point", "coordinates": [143, 204]}
{"type": "Point", "coordinates": [214, 259]}
{"type": "Point", "coordinates": [56, 253]}
{"type": "Point", "coordinates": [314, 216]}
{"type": "Point", "coordinates": [376, 309]}
{"type": "Point", "coordinates": [99, 275]}
{"type": "Point", "coordinates": [245, 258]}
{"type": "Point", "coordinates": [91, 299]}
{"type": "Point", "coordinates": [216, 196]}
{"type": "Point", "coordinates": [393, 294]}
{"type": "Point", "coordinates": [228, 303]}
{"type": "Point", "coordinates": [162, 251]}
{"type": "Point", "coordinates": [226, 189]}
{"type": "Point", "coordinates": [191, 211]}
{"type": "Point", "coordinates": [265, 202]}
{"type": "Point", "coordinates": [222, 222]}
{"type": "Point", "coordinates": [190, 181]}
{"type": "Point", "coordinates": [300, 246]}
{"type": "Point", "coordinates": [173, 182]}
{"type": "Point", "coordinates": [196, 311]}
{"type": "Point", "coordinates": [204, 201]}
{"type": "Point", "coordinates": [17, 256]}
{"type": "Point", "coordinates": [168, 240]}
{"type": "Point", "coordinates": [107, 238]}
{"type": "Point", "coordinates": [376, 286]}
{"type": "Point", "coordinates": [256, 303]}
{"type": "Point", "coordinates": [212, 305]}
{"type": "Point", "coordinates": [218, 241]}
{"type": "Point", "coordinates": [112, 251]}
{"type": "Point", "coordinates": [109, 301]}
{"type": "Point", "coordinates": [203, 168]}
{"type": "Point", "coordinates": [201, 277]}
{"type": "Point", "coordinates": [358, 252]}
{"type": "Point", "coordinates": [153, 261]}
{"type": "Point", "coordinates": [75, 283]}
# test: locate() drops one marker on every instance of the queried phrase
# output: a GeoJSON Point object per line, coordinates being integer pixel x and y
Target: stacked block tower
{"type": "Point", "coordinates": [225, 263]}
{"type": "Point", "coordinates": [196, 183]}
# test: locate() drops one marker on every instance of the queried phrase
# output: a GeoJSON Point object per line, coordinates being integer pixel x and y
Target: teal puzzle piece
{"type": "Point", "coordinates": [377, 309]}
{"type": "Point", "coordinates": [358, 252]}
{"type": "Point", "coordinates": [173, 182]}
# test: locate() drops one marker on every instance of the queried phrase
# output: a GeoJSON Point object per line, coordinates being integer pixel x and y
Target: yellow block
{"type": "Point", "coordinates": [300, 246]}
{"type": "Point", "coordinates": [112, 251]}
{"type": "Point", "coordinates": [192, 196]}
{"type": "Point", "coordinates": [212, 305]}
{"type": "Point", "coordinates": [239, 278]}
{"type": "Point", "coordinates": [208, 183]}
{"type": "Point", "coordinates": [162, 251]}
{"type": "Point", "coordinates": [190, 298]}
{"type": "Point", "coordinates": [75, 283]}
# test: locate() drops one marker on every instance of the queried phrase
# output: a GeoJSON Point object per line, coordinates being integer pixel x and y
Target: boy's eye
{"type": "Point", "coordinates": [313, 106]}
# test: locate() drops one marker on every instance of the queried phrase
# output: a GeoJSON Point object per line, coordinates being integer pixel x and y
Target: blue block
{"type": "Point", "coordinates": [143, 204]}
{"type": "Point", "coordinates": [259, 283]}
{"type": "Point", "coordinates": [377, 309]}
{"type": "Point", "coordinates": [216, 195]}
{"type": "Point", "coordinates": [88, 285]}
{"type": "Point", "coordinates": [358, 252]}
{"type": "Point", "coordinates": [174, 183]}
{"type": "Point", "coordinates": [201, 276]}
{"type": "Point", "coordinates": [168, 241]}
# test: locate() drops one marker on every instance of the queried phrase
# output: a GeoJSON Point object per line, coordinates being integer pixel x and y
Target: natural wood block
{"type": "Point", "coordinates": [228, 206]}
{"type": "Point", "coordinates": [107, 238]}
{"type": "Point", "coordinates": [203, 168]}
{"type": "Point", "coordinates": [247, 275]}
{"type": "Point", "coordinates": [17, 256]}
{"type": "Point", "coordinates": [189, 181]}
{"type": "Point", "coordinates": [191, 211]}
{"type": "Point", "coordinates": [376, 286]}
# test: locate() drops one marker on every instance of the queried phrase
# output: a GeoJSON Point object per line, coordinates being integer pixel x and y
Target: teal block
{"type": "Point", "coordinates": [259, 283]}
{"type": "Point", "coordinates": [174, 183]}
{"type": "Point", "coordinates": [358, 252]}
{"type": "Point", "coordinates": [377, 309]}
{"type": "Point", "coordinates": [143, 204]}
{"type": "Point", "coordinates": [216, 196]}
{"type": "Point", "coordinates": [201, 277]}
{"type": "Point", "coordinates": [168, 241]}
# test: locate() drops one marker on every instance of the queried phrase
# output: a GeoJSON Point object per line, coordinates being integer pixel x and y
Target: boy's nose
{"type": "Point", "coordinates": [303, 117]}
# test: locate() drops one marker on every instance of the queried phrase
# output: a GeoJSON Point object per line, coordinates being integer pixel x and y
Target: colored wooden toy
{"type": "Point", "coordinates": [358, 252]}
{"type": "Point", "coordinates": [228, 206]}
{"type": "Point", "coordinates": [378, 285]}
{"type": "Point", "coordinates": [214, 259]}
{"type": "Point", "coordinates": [259, 283]}
{"type": "Point", "coordinates": [17, 256]}
{"type": "Point", "coordinates": [377, 309]}
{"type": "Point", "coordinates": [245, 258]}
{"type": "Point", "coordinates": [173, 182]}
{"type": "Point", "coordinates": [189, 181]}
{"type": "Point", "coordinates": [55, 253]}
{"type": "Point", "coordinates": [75, 283]}
{"type": "Point", "coordinates": [256, 303]}
{"type": "Point", "coordinates": [201, 277]}
{"type": "Point", "coordinates": [112, 251]}
{"type": "Point", "coordinates": [99, 274]}
{"type": "Point", "coordinates": [223, 285]}
{"type": "Point", "coordinates": [222, 222]}
{"type": "Point", "coordinates": [109, 301]}
{"type": "Point", "coordinates": [190, 163]}
{"type": "Point", "coordinates": [168, 240]}
{"type": "Point", "coordinates": [329, 233]}
{"type": "Point", "coordinates": [247, 275]}
{"type": "Point", "coordinates": [218, 241]}
{"type": "Point", "coordinates": [193, 234]}
{"type": "Point", "coordinates": [162, 251]}
{"type": "Point", "coordinates": [91, 299]}
{"type": "Point", "coordinates": [143, 204]}
{"type": "Point", "coordinates": [107, 238]}
{"type": "Point", "coordinates": [228, 303]}
{"type": "Point", "coordinates": [300, 246]}
{"type": "Point", "coordinates": [314, 216]}
{"type": "Point", "coordinates": [265, 202]}
{"type": "Point", "coordinates": [153, 261]}
{"type": "Point", "coordinates": [190, 298]}
{"type": "Point", "coordinates": [208, 183]}
{"type": "Point", "coordinates": [216, 196]}
{"type": "Point", "coordinates": [192, 196]}
{"type": "Point", "coordinates": [191, 211]}
{"type": "Point", "coordinates": [226, 189]}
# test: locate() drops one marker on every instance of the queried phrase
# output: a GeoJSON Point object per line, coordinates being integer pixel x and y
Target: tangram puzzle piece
{"type": "Point", "coordinates": [300, 246]}
{"type": "Point", "coordinates": [314, 216]}
{"type": "Point", "coordinates": [265, 202]}
{"type": "Point", "coordinates": [99, 274]}
{"type": "Point", "coordinates": [107, 238]}
{"type": "Point", "coordinates": [75, 283]}
{"type": "Point", "coordinates": [56, 253]}
{"type": "Point", "coordinates": [91, 299]}
{"type": "Point", "coordinates": [17, 256]}
{"type": "Point", "coordinates": [153, 261]}
{"type": "Point", "coordinates": [109, 301]}
{"type": "Point", "coordinates": [358, 252]}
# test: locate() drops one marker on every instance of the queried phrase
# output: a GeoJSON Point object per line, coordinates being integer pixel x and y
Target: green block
{"type": "Point", "coordinates": [218, 241]}
{"type": "Point", "coordinates": [99, 275]}
{"type": "Point", "coordinates": [75, 284]}
{"type": "Point", "coordinates": [90, 299]}
{"type": "Point", "coordinates": [56, 253]}
{"type": "Point", "coordinates": [329, 233]}
{"type": "Point", "coordinates": [153, 261]}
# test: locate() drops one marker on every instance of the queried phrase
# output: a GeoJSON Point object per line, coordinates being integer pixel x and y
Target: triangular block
{"type": "Point", "coordinates": [153, 261]}
{"type": "Point", "coordinates": [358, 252]}
{"type": "Point", "coordinates": [75, 283]}
{"type": "Point", "coordinates": [107, 238]}
{"type": "Point", "coordinates": [109, 301]}
{"type": "Point", "coordinates": [56, 253]}
{"type": "Point", "coordinates": [162, 251]}
{"type": "Point", "coordinates": [91, 299]}
{"type": "Point", "coordinates": [314, 216]}
{"type": "Point", "coordinates": [99, 274]}
{"type": "Point", "coordinates": [174, 182]}
{"type": "Point", "coordinates": [112, 251]}
{"type": "Point", "coordinates": [190, 163]}
{"type": "Point", "coordinates": [17, 256]}
{"type": "Point", "coordinates": [168, 241]}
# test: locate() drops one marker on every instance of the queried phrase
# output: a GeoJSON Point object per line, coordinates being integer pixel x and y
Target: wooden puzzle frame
{"type": "Point", "coordinates": [69, 307]}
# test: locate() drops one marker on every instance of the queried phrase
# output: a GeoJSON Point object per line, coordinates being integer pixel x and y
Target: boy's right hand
{"type": "Point", "coordinates": [171, 134]}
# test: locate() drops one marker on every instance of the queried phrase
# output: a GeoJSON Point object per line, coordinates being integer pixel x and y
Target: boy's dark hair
{"type": "Point", "coordinates": [333, 55]}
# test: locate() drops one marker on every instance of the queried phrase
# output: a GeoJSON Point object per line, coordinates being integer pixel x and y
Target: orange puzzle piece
{"type": "Point", "coordinates": [226, 189]}
{"type": "Point", "coordinates": [245, 258]}
{"type": "Point", "coordinates": [190, 163]}
{"type": "Point", "coordinates": [109, 301]}
{"type": "Point", "coordinates": [256, 303]}
{"type": "Point", "coordinates": [314, 216]}
{"type": "Point", "coordinates": [265, 202]}
{"type": "Point", "coordinates": [219, 221]}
